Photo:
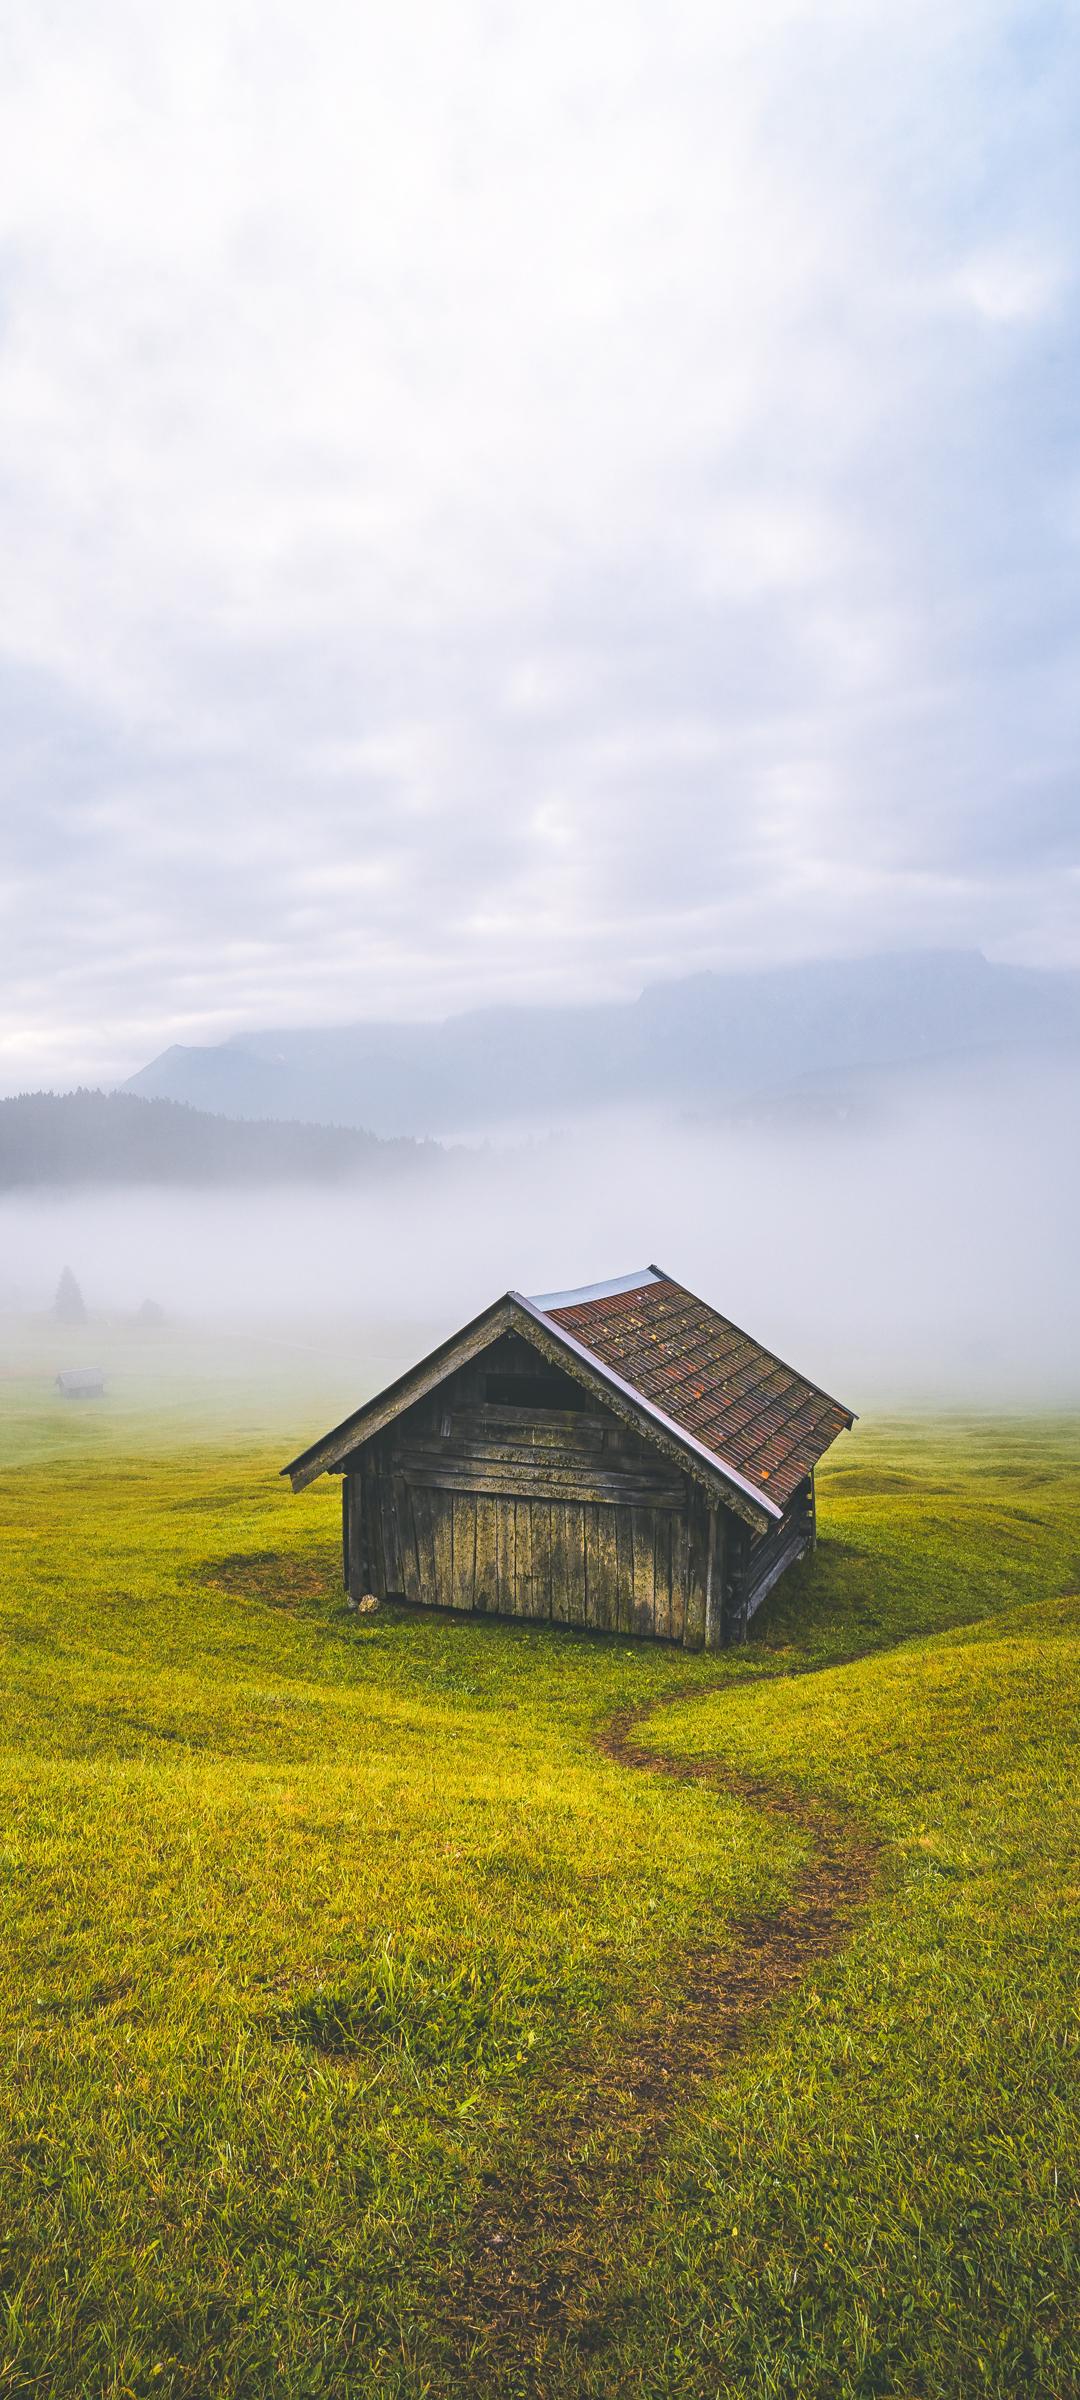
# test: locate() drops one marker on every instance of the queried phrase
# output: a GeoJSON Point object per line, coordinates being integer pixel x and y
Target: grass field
{"type": "Point", "coordinates": [325, 1939]}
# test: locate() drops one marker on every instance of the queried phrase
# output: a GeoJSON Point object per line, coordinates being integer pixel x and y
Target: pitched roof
{"type": "Point", "coordinates": [727, 1409]}
{"type": "Point", "coordinates": [744, 1406]}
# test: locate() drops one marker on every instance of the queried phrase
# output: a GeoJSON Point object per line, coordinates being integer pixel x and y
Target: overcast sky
{"type": "Point", "coordinates": [508, 501]}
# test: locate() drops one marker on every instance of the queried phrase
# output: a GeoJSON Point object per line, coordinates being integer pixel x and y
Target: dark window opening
{"type": "Point", "coordinates": [532, 1391]}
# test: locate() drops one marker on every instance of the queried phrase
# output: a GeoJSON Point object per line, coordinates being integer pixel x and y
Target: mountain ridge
{"type": "Point", "coordinates": [714, 1037]}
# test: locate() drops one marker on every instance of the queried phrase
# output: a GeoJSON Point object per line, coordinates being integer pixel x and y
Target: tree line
{"type": "Point", "coordinates": [88, 1137]}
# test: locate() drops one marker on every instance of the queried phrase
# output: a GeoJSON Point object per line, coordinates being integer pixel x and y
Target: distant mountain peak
{"type": "Point", "coordinates": [697, 1041]}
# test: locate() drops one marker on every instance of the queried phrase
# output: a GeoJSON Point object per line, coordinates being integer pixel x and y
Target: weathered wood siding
{"type": "Point", "coordinates": [545, 1507]}
{"type": "Point", "coordinates": [761, 1563]}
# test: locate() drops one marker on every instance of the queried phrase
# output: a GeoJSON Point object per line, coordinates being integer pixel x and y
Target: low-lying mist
{"type": "Point", "coordinates": [925, 1251]}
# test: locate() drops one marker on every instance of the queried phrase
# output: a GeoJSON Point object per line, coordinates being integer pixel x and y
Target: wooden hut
{"type": "Point", "coordinates": [81, 1383]}
{"type": "Point", "coordinates": [620, 1457]}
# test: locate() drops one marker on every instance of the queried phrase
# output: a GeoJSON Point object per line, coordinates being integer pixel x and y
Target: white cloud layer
{"type": "Point", "coordinates": [507, 502]}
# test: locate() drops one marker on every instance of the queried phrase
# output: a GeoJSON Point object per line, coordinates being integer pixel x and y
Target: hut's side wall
{"type": "Point", "coordinates": [762, 1562]}
{"type": "Point", "coordinates": [508, 1491]}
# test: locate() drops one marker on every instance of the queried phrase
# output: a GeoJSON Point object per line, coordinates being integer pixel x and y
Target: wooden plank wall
{"type": "Point", "coordinates": [574, 1562]}
{"type": "Point", "coordinates": [559, 1513]}
{"type": "Point", "coordinates": [550, 1515]}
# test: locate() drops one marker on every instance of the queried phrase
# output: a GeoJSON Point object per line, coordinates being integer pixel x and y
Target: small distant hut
{"type": "Point", "coordinates": [619, 1457]}
{"type": "Point", "coordinates": [81, 1383]}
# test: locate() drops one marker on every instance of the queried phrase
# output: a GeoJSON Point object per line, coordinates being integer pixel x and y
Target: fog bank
{"type": "Point", "coordinates": [929, 1253]}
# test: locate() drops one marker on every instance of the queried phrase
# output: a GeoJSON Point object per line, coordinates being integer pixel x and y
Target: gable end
{"type": "Point", "coordinates": [514, 1313]}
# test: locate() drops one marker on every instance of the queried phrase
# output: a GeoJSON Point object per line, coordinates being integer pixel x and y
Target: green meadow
{"type": "Point", "coordinates": [319, 1932]}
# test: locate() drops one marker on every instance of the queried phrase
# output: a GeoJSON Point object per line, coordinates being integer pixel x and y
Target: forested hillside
{"type": "Point", "coordinates": [86, 1137]}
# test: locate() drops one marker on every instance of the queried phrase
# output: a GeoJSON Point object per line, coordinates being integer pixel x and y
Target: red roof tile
{"type": "Point", "coordinates": [747, 1408]}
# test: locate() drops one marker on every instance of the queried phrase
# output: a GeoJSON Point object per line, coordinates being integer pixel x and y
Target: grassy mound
{"type": "Point", "coordinates": [312, 1922]}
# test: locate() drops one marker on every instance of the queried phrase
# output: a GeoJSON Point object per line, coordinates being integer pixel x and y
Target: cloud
{"type": "Point", "coordinates": [1010, 287]}
{"type": "Point", "coordinates": [514, 504]}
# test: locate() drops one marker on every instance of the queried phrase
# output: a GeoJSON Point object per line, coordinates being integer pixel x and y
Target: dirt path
{"type": "Point", "coordinates": [512, 2302]}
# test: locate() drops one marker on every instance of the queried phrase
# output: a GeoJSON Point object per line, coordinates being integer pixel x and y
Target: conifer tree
{"type": "Point", "coordinates": [69, 1307]}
